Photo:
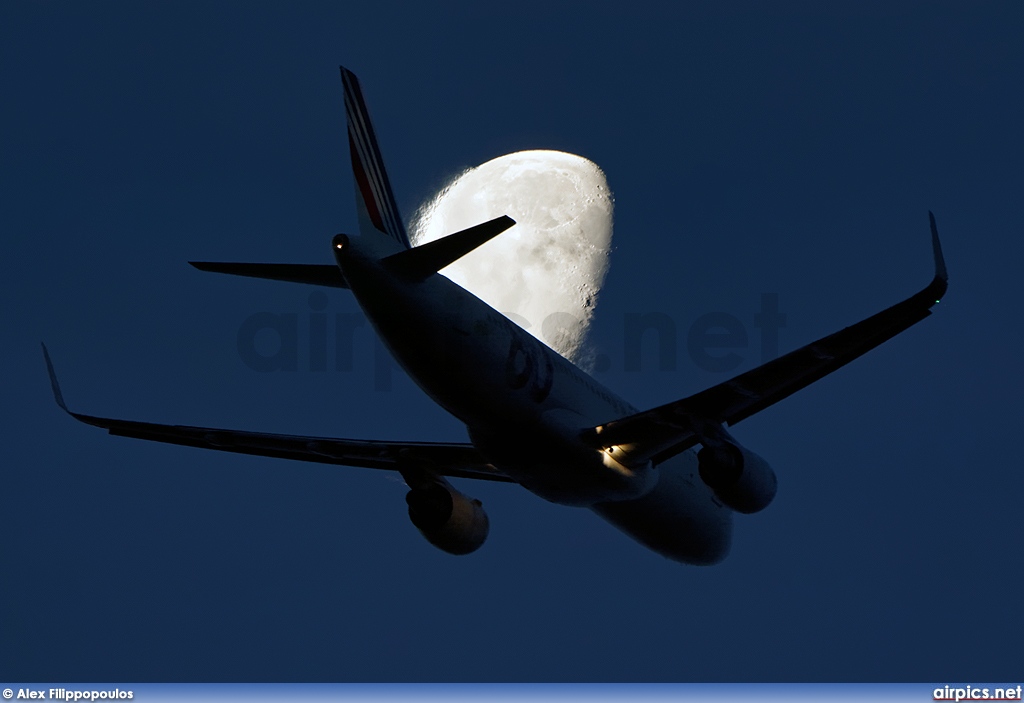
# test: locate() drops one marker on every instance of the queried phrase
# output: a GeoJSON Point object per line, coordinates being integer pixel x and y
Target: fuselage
{"type": "Point", "coordinates": [525, 406]}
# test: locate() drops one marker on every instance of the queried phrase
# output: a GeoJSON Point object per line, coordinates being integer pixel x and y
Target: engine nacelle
{"type": "Point", "coordinates": [448, 519]}
{"type": "Point", "coordinates": [741, 479]}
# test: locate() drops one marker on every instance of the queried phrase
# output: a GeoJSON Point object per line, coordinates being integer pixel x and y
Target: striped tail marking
{"type": "Point", "coordinates": [368, 166]}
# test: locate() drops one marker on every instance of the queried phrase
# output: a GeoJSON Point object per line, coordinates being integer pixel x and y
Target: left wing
{"type": "Point", "coordinates": [662, 432]}
{"type": "Point", "coordinates": [456, 460]}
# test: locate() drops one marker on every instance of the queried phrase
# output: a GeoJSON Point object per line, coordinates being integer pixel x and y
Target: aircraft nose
{"type": "Point", "coordinates": [339, 243]}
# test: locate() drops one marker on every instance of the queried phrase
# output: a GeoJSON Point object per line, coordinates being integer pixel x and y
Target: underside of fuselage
{"type": "Point", "coordinates": [680, 518]}
{"type": "Point", "coordinates": [450, 343]}
{"type": "Point", "coordinates": [506, 386]}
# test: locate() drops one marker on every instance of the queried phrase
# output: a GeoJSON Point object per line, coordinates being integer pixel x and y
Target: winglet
{"type": "Point", "coordinates": [941, 281]}
{"type": "Point", "coordinates": [57, 395]}
{"type": "Point", "coordinates": [940, 261]}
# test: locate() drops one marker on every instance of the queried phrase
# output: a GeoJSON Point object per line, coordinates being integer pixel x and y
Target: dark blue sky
{"type": "Point", "coordinates": [792, 151]}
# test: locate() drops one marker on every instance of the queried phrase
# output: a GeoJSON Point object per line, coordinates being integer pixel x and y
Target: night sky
{"type": "Point", "coordinates": [792, 151]}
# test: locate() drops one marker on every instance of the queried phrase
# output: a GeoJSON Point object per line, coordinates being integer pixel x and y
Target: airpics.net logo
{"type": "Point", "coordinates": [319, 341]}
{"type": "Point", "coordinates": [977, 693]}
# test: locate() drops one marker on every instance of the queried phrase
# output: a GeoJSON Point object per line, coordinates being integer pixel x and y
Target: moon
{"type": "Point", "coordinates": [545, 272]}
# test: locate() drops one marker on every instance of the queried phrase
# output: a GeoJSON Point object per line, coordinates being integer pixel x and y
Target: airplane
{"type": "Point", "coordinates": [532, 417]}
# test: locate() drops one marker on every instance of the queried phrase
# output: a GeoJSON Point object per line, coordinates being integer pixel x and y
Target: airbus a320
{"type": "Point", "coordinates": [670, 477]}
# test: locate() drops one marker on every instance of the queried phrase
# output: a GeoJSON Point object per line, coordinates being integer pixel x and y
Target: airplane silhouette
{"type": "Point", "coordinates": [533, 418]}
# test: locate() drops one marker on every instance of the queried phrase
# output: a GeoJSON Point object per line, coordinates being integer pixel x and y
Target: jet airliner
{"type": "Point", "coordinates": [671, 477]}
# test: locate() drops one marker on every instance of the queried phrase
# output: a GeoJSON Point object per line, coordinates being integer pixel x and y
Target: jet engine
{"type": "Point", "coordinates": [450, 521]}
{"type": "Point", "coordinates": [741, 479]}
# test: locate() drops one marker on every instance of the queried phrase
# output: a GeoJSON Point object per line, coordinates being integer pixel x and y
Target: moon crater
{"type": "Point", "coordinates": [544, 273]}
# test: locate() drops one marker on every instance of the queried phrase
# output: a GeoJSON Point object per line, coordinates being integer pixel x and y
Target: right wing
{"type": "Point", "coordinates": [662, 432]}
{"type": "Point", "coordinates": [458, 460]}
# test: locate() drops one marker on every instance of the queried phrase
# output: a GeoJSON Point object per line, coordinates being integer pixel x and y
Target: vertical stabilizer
{"type": "Point", "coordinates": [377, 209]}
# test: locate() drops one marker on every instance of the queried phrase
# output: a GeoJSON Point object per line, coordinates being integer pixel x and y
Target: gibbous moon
{"type": "Point", "coordinates": [546, 271]}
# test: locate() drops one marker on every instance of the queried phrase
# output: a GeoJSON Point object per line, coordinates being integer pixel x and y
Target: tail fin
{"type": "Point", "coordinates": [374, 199]}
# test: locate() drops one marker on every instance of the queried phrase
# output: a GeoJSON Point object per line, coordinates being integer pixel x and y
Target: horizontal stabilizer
{"type": "Point", "coordinates": [313, 274]}
{"type": "Point", "coordinates": [429, 258]}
